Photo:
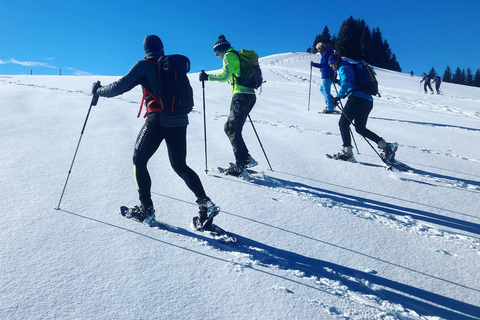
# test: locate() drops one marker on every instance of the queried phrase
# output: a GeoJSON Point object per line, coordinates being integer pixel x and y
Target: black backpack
{"type": "Point", "coordinates": [365, 79]}
{"type": "Point", "coordinates": [175, 95]}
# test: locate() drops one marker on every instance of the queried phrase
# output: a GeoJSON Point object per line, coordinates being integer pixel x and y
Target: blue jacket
{"type": "Point", "coordinates": [327, 72]}
{"type": "Point", "coordinates": [347, 81]}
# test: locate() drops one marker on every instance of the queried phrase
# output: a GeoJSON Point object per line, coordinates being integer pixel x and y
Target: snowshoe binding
{"type": "Point", "coordinates": [345, 155]}
{"type": "Point", "coordinates": [207, 211]}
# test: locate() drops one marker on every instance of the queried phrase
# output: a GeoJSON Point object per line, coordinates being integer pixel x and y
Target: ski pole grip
{"type": "Point", "coordinates": [95, 99]}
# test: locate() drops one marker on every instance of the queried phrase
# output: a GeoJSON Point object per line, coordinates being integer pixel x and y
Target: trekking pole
{"type": "Point", "coordinates": [204, 124]}
{"type": "Point", "coordinates": [349, 129]}
{"type": "Point", "coordinates": [93, 103]}
{"type": "Point", "coordinates": [260, 142]}
{"type": "Point", "coordinates": [309, 89]}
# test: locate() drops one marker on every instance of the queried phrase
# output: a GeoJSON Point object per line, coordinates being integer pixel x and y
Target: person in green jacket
{"type": "Point", "coordinates": [243, 100]}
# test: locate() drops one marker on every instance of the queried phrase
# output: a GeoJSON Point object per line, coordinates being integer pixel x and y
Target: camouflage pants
{"type": "Point", "coordinates": [240, 107]}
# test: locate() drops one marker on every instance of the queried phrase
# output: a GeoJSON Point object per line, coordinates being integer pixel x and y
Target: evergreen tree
{"type": "Point", "coordinates": [356, 41]}
{"type": "Point", "coordinates": [348, 39]}
{"type": "Point", "coordinates": [476, 79]}
{"type": "Point", "coordinates": [376, 46]}
{"type": "Point", "coordinates": [334, 40]}
{"type": "Point", "coordinates": [447, 75]}
{"type": "Point", "coordinates": [325, 38]}
{"type": "Point", "coordinates": [469, 77]}
{"type": "Point", "coordinates": [394, 65]}
{"type": "Point", "coordinates": [365, 41]}
{"type": "Point", "coordinates": [389, 59]}
{"type": "Point", "coordinates": [432, 73]}
{"type": "Point", "coordinates": [457, 76]}
{"type": "Point", "coordinates": [384, 55]}
{"type": "Point", "coordinates": [464, 77]}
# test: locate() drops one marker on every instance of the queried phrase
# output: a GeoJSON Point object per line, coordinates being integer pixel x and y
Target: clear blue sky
{"type": "Point", "coordinates": [105, 37]}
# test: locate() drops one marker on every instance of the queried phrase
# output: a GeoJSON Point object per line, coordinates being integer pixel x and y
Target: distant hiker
{"type": "Point", "coordinates": [437, 80]}
{"type": "Point", "coordinates": [243, 100]}
{"type": "Point", "coordinates": [158, 126]}
{"type": "Point", "coordinates": [327, 75]}
{"type": "Point", "coordinates": [411, 73]}
{"type": "Point", "coordinates": [427, 79]}
{"type": "Point", "coordinates": [358, 107]}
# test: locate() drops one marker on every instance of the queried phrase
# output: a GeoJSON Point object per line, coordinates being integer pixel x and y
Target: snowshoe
{"type": "Point", "coordinates": [250, 163]}
{"type": "Point", "coordinates": [388, 153]}
{"type": "Point", "coordinates": [345, 155]}
{"type": "Point", "coordinates": [207, 211]}
{"type": "Point", "coordinates": [234, 170]}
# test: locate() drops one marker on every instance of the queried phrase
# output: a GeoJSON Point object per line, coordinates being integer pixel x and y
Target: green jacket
{"type": "Point", "coordinates": [231, 69]}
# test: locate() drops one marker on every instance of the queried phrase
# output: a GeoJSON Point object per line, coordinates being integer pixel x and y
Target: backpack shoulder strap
{"type": "Point", "coordinates": [145, 91]}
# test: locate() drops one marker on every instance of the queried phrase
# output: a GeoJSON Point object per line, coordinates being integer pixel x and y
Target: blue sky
{"type": "Point", "coordinates": [105, 37]}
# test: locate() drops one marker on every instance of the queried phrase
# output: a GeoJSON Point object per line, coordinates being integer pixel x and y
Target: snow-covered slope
{"type": "Point", "coordinates": [317, 238]}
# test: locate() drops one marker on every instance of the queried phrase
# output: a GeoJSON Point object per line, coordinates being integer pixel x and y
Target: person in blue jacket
{"type": "Point", "coordinates": [327, 75]}
{"type": "Point", "coordinates": [357, 109]}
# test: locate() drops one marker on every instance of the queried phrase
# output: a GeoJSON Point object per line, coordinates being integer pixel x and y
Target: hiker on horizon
{"type": "Point", "coordinates": [427, 79]}
{"type": "Point", "coordinates": [437, 80]}
{"type": "Point", "coordinates": [158, 126]}
{"type": "Point", "coordinates": [243, 100]}
{"type": "Point", "coordinates": [327, 75]}
{"type": "Point", "coordinates": [357, 109]}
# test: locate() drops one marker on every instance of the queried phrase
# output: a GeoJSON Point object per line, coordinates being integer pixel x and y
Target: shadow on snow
{"type": "Point", "coordinates": [419, 300]}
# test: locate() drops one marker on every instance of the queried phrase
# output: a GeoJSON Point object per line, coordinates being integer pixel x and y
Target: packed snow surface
{"type": "Point", "coordinates": [317, 238]}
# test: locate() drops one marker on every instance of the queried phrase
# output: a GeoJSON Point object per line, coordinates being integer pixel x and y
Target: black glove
{"type": "Point", "coordinates": [335, 101]}
{"type": "Point", "coordinates": [203, 76]}
{"type": "Point", "coordinates": [95, 87]}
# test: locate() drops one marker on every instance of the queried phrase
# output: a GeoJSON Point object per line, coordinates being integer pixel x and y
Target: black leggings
{"type": "Point", "coordinates": [148, 141]}
{"type": "Point", "coordinates": [356, 110]}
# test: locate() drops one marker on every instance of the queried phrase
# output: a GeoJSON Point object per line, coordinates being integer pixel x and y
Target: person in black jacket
{"type": "Point", "coordinates": [158, 126]}
{"type": "Point", "coordinates": [427, 80]}
{"type": "Point", "coordinates": [437, 80]}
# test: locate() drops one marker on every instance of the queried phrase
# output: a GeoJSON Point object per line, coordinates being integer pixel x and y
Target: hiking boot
{"type": "Point", "coordinates": [234, 170]}
{"type": "Point", "coordinates": [141, 214]}
{"type": "Point", "coordinates": [345, 155]}
{"type": "Point", "coordinates": [326, 111]}
{"type": "Point", "coordinates": [207, 211]}
{"type": "Point", "coordinates": [250, 163]}
{"type": "Point", "coordinates": [388, 150]}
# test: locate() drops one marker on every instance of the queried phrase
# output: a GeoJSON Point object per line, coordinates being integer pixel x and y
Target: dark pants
{"type": "Point", "coordinates": [427, 84]}
{"type": "Point", "coordinates": [148, 141]}
{"type": "Point", "coordinates": [240, 107]}
{"type": "Point", "coordinates": [356, 110]}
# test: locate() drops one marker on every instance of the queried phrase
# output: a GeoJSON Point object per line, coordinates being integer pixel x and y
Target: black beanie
{"type": "Point", "coordinates": [152, 43]}
{"type": "Point", "coordinates": [222, 44]}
